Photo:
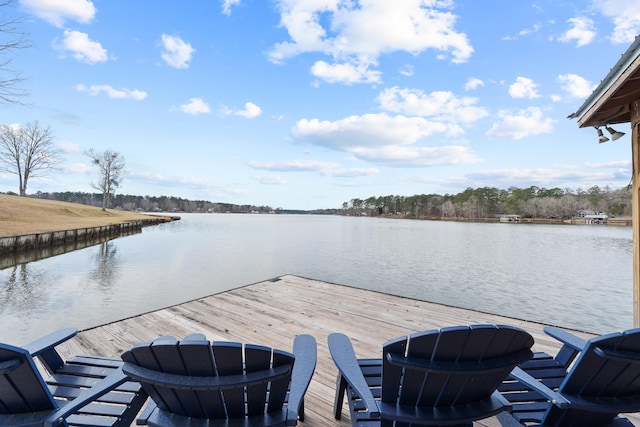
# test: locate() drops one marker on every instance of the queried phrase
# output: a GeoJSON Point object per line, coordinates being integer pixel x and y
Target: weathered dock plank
{"type": "Point", "coordinates": [273, 312]}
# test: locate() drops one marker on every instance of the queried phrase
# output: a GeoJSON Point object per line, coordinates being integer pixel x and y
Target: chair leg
{"type": "Point", "coordinates": [341, 387]}
{"type": "Point", "coordinates": [301, 411]}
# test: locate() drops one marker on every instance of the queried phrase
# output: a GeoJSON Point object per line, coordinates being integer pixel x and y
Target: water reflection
{"type": "Point", "coordinates": [22, 290]}
{"type": "Point", "coordinates": [106, 271]}
{"type": "Point", "coordinates": [26, 287]}
{"type": "Point", "coordinates": [12, 259]}
{"type": "Point", "coordinates": [49, 288]}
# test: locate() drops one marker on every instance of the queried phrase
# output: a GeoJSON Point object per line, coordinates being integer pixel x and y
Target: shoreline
{"type": "Point", "coordinates": [50, 243]}
{"type": "Point", "coordinates": [618, 222]}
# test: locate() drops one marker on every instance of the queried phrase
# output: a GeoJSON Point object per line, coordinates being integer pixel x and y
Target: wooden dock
{"type": "Point", "coordinates": [273, 312]}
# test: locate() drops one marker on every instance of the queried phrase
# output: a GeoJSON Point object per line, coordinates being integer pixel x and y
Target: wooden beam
{"type": "Point", "coordinates": [635, 203]}
{"type": "Point", "coordinates": [590, 117]}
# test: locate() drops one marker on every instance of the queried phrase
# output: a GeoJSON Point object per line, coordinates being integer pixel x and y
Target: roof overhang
{"type": "Point", "coordinates": [609, 102]}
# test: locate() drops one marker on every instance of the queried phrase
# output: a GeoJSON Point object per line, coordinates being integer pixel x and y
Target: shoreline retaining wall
{"type": "Point", "coordinates": [29, 242]}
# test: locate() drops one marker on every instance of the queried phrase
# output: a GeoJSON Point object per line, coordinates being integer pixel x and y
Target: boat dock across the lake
{"type": "Point", "coordinates": [273, 312]}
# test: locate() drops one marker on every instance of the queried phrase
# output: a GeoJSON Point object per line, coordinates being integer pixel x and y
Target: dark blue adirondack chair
{"type": "Point", "coordinates": [437, 377]}
{"type": "Point", "coordinates": [588, 383]}
{"type": "Point", "coordinates": [194, 382]}
{"type": "Point", "coordinates": [86, 390]}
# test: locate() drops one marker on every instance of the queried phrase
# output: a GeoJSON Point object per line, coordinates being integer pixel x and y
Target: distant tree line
{"type": "Point", "coordinates": [152, 203]}
{"type": "Point", "coordinates": [488, 202]}
{"type": "Point", "coordinates": [485, 202]}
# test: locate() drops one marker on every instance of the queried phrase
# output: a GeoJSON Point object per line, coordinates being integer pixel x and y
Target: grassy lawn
{"type": "Point", "coordinates": [23, 215]}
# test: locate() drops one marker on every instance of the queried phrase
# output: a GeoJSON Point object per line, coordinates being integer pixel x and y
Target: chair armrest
{"type": "Point", "coordinates": [306, 354]}
{"type": "Point", "coordinates": [87, 396]}
{"type": "Point", "coordinates": [47, 342]}
{"type": "Point", "coordinates": [528, 381]}
{"type": "Point", "coordinates": [345, 359]}
{"type": "Point", "coordinates": [44, 348]}
{"type": "Point", "coordinates": [566, 338]}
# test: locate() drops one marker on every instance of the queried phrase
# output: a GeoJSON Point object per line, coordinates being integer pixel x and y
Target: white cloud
{"type": "Point", "coordinates": [81, 47]}
{"type": "Point", "coordinates": [73, 168]}
{"type": "Point", "coordinates": [228, 4]}
{"type": "Point", "coordinates": [56, 12]}
{"type": "Point", "coordinates": [195, 106]}
{"type": "Point", "coordinates": [626, 18]}
{"type": "Point", "coordinates": [355, 34]}
{"type": "Point", "coordinates": [582, 32]}
{"type": "Point", "coordinates": [538, 176]}
{"type": "Point", "coordinates": [250, 111]}
{"type": "Point", "coordinates": [345, 73]}
{"type": "Point", "coordinates": [473, 83]}
{"type": "Point", "coordinates": [536, 27]}
{"type": "Point", "coordinates": [366, 130]}
{"type": "Point", "coordinates": [440, 105]}
{"type": "Point", "coordinates": [525, 32]}
{"type": "Point", "coordinates": [272, 180]}
{"type": "Point", "coordinates": [619, 164]}
{"type": "Point", "coordinates": [171, 181]}
{"type": "Point", "coordinates": [294, 165]}
{"type": "Point", "coordinates": [176, 53]}
{"type": "Point", "coordinates": [324, 168]}
{"type": "Point", "coordinates": [77, 168]}
{"type": "Point", "coordinates": [69, 147]}
{"type": "Point", "coordinates": [111, 92]}
{"type": "Point", "coordinates": [401, 156]}
{"type": "Point", "coordinates": [381, 138]}
{"type": "Point", "coordinates": [407, 70]}
{"type": "Point", "coordinates": [521, 124]}
{"type": "Point", "coordinates": [576, 86]}
{"type": "Point", "coordinates": [351, 172]}
{"type": "Point", "coordinates": [524, 88]}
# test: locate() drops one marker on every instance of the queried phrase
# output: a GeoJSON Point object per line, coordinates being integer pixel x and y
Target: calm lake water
{"type": "Point", "coordinates": [573, 276]}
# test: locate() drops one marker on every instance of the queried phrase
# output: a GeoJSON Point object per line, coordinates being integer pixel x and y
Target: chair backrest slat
{"type": "Point", "coordinates": [450, 348]}
{"type": "Point", "coordinates": [145, 355]}
{"type": "Point", "coordinates": [195, 357]}
{"type": "Point", "coordinates": [169, 359]}
{"type": "Point", "coordinates": [391, 374]}
{"type": "Point", "coordinates": [485, 354]}
{"type": "Point", "coordinates": [198, 361]}
{"type": "Point", "coordinates": [257, 358]}
{"type": "Point", "coordinates": [22, 389]}
{"type": "Point", "coordinates": [278, 388]}
{"type": "Point", "coordinates": [228, 359]}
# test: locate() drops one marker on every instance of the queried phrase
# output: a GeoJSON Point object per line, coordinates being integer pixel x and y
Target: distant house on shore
{"type": "Point", "coordinates": [509, 218]}
{"type": "Point", "coordinates": [592, 217]}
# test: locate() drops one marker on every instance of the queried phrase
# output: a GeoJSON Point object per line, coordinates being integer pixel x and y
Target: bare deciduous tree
{"type": "Point", "coordinates": [12, 39]}
{"type": "Point", "coordinates": [110, 172]}
{"type": "Point", "coordinates": [27, 152]}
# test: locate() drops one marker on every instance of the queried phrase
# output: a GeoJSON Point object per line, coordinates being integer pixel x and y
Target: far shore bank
{"type": "Point", "coordinates": [623, 221]}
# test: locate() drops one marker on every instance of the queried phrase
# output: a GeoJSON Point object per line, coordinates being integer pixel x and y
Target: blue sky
{"type": "Point", "coordinates": [305, 104]}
